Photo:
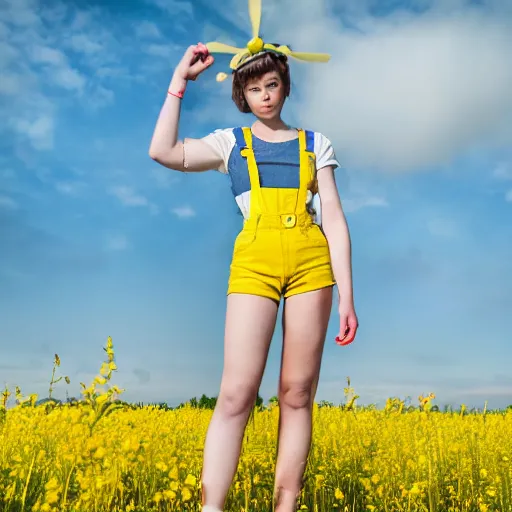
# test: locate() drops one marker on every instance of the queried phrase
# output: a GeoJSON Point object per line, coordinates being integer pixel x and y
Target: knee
{"type": "Point", "coordinates": [296, 395]}
{"type": "Point", "coordinates": [236, 401]}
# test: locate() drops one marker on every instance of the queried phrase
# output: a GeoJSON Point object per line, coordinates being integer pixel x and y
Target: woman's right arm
{"type": "Point", "coordinates": [191, 155]}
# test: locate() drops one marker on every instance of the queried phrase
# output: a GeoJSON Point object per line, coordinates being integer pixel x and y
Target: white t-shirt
{"type": "Point", "coordinates": [223, 141]}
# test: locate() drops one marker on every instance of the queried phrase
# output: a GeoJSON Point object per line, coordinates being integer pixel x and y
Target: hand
{"type": "Point", "coordinates": [348, 324]}
{"type": "Point", "coordinates": [195, 60]}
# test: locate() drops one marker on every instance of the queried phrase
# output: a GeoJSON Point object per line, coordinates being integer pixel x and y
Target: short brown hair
{"type": "Point", "coordinates": [267, 63]}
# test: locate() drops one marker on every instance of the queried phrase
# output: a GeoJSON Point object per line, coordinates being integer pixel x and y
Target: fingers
{"type": "Point", "coordinates": [200, 59]}
{"type": "Point", "coordinates": [349, 331]}
{"type": "Point", "coordinates": [345, 340]}
{"type": "Point", "coordinates": [199, 52]}
{"type": "Point", "coordinates": [201, 48]}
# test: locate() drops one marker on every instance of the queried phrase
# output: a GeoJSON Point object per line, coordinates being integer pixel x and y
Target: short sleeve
{"type": "Point", "coordinates": [324, 152]}
{"type": "Point", "coordinates": [222, 141]}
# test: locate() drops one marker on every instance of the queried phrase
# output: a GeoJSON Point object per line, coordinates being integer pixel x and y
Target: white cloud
{"type": "Point", "coordinates": [38, 53]}
{"type": "Point", "coordinates": [184, 212]}
{"type": "Point", "coordinates": [82, 20]}
{"type": "Point", "coordinates": [70, 188]}
{"type": "Point", "coordinates": [129, 197]}
{"type": "Point", "coordinates": [351, 205]}
{"type": "Point", "coordinates": [175, 7]}
{"type": "Point", "coordinates": [56, 13]}
{"type": "Point", "coordinates": [61, 73]}
{"type": "Point", "coordinates": [164, 178]}
{"type": "Point", "coordinates": [8, 203]}
{"type": "Point", "coordinates": [160, 50]}
{"type": "Point", "coordinates": [405, 91]}
{"type": "Point", "coordinates": [503, 171]}
{"type": "Point", "coordinates": [47, 55]}
{"type": "Point", "coordinates": [117, 242]}
{"type": "Point", "coordinates": [8, 53]}
{"type": "Point", "coordinates": [146, 29]}
{"type": "Point", "coordinates": [39, 131]}
{"type": "Point", "coordinates": [20, 13]}
{"type": "Point", "coordinates": [85, 44]}
{"type": "Point", "coordinates": [10, 84]}
{"type": "Point", "coordinates": [68, 78]}
{"type": "Point", "coordinates": [101, 97]}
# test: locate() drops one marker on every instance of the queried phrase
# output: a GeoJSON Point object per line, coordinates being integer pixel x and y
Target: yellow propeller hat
{"type": "Point", "coordinates": [256, 46]}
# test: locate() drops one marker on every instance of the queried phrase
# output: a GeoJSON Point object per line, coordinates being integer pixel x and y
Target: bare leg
{"type": "Point", "coordinates": [305, 320]}
{"type": "Point", "coordinates": [250, 324]}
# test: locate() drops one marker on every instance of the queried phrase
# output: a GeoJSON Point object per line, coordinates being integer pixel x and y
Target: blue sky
{"type": "Point", "coordinates": [98, 240]}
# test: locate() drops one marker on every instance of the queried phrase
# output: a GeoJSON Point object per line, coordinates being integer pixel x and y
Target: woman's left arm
{"type": "Point", "coordinates": [334, 225]}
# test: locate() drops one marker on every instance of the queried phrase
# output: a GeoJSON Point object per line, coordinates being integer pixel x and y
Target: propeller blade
{"type": "Point", "coordinates": [216, 47]}
{"type": "Point", "coordinates": [237, 58]}
{"type": "Point", "coordinates": [255, 15]}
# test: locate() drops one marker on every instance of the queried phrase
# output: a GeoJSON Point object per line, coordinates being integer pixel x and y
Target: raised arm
{"type": "Point", "coordinates": [191, 155]}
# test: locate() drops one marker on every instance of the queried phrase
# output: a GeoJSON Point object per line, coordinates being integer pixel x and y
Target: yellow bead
{"type": "Point", "coordinates": [255, 45]}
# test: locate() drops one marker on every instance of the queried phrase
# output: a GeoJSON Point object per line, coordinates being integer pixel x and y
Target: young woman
{"type": "Point", "coordinates": [283, 182]}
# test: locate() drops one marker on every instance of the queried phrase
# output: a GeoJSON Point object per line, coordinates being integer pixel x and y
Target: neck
{"type": "Point", "coordinates": [271, 128]}
{"type": "Point", "coordinates": [275, 124]}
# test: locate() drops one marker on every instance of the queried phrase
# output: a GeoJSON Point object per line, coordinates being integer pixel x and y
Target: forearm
{"type": "Point", "coordinates": [337, 233]}
{"type": "Point", "coordinates": [164, 143]}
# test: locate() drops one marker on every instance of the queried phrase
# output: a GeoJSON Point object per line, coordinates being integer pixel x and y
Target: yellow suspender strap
{"type": "Point", "coordinates": [304, 173]}
{"type": "Point", "coordinates": [248, 153]}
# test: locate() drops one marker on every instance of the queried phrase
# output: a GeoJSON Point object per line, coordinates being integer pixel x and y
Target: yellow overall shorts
{"type": "Point", "coordinates": [280, 251]}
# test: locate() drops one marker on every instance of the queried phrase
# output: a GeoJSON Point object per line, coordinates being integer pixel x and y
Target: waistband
{"type": "Point", "coordinates": [278, 221]}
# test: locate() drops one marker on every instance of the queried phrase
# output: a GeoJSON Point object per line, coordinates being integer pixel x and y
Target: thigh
{"type": "Point", "coordinates": [250, 324]}
{"type": "Point", "coordinates": [305, 320]}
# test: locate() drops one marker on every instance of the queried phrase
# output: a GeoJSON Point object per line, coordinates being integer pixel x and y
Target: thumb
{"type": "Point", "coordinates": [207, 62]}
{"type": "Point", "coordinates": [200, 65]}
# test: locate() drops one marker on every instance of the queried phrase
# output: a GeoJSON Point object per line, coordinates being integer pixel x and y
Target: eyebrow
{"type": "Point", "coordinates": [267, 80]}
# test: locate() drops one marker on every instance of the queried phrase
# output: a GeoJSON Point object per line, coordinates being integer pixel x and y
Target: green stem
{"type": "Point", "coordinates": [24, 495]}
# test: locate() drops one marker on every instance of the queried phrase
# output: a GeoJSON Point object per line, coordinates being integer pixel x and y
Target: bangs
{"type": "Point", "coordinates": [259, 66]}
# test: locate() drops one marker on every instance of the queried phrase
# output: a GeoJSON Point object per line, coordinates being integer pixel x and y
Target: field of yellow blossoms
{"type": "Point", "coordinates": [100, 454]}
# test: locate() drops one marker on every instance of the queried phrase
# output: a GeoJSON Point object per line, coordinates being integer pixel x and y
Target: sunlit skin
{"type": "Point", "coordinates": [265, 97]}
{"type": "Point", "coordinates": [250, 319]}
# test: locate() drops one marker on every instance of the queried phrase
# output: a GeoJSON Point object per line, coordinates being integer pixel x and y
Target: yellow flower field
{"type": "Point", "coordinates": [104, 455]}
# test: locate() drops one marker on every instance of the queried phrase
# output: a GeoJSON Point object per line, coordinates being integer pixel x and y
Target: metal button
{"type": "Point", "coordinates": [289, 220]}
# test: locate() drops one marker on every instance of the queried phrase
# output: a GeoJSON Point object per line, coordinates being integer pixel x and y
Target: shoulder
{"type": "Point", "coordinates": [222, 141]}
{"type": "Point", "coordinates": [221, 135]}
{"type": "Point", "coordinates": [323, 149]}
{"type": "Point", "coordinates": [320, 140]}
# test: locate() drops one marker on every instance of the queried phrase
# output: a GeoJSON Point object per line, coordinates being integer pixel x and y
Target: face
{"type": "Point", "coordinates": [265, 95]}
